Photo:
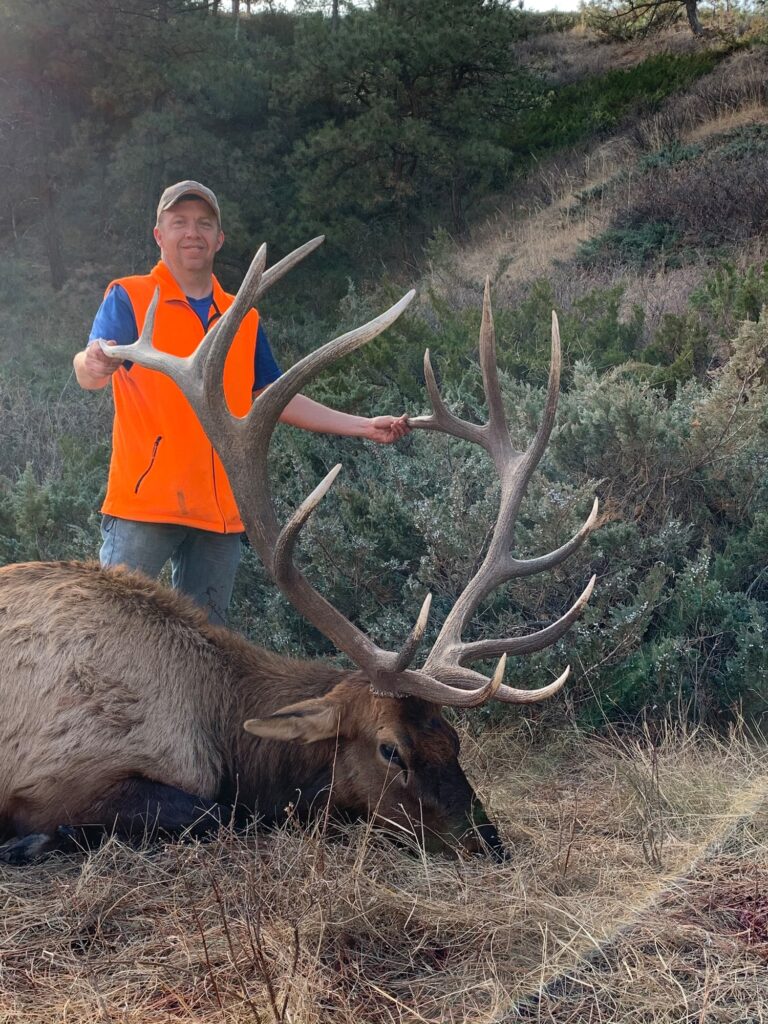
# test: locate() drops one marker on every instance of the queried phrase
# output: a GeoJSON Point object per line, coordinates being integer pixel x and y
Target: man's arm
{"type": "Point", "coordinates": [114, 320]}
{"type": "Point", "coordinates": [307, 414]}
{"type": "Point", "coordinates": [93, 369]}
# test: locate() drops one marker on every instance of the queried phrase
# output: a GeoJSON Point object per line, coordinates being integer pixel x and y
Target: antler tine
{"type": "Point", "coordinates": [145, 338]}
{"type": "Point", "coordinates": [208, 361]}
{"type": "Point", "coordinates": [463, 688]}
{"type": "Point", "coordinates": [143, 352]}
{"type": "Point", "coordinates": [517, 568]}
{"type": "Point", "coordinates": [535, 450]}
{"type": "Point", "coordinates": [289, 534]}
{"type": "Point", "coordinates": [411, 645]}
{"type": "Point", "coordinates": [442, 419]}
{"type": "Point", "coordinates": [511, 695]}
{"type": "Point", "coordinates": [531, 642]}
{"type": "Point", "coordinates": [281, 268]}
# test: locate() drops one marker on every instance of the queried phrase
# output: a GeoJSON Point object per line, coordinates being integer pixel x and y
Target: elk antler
{"type": "Point", "coordinates": [243, 442]}
{"type": "Point", "coordinates": [515, 468]}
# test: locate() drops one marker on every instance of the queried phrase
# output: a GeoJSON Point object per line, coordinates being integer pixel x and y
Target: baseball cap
{"type": "Point", "coordinates": [181, 190]}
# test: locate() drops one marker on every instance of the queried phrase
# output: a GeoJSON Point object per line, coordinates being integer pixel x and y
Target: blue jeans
{"type": "Point", "coordinates": [203, 563]}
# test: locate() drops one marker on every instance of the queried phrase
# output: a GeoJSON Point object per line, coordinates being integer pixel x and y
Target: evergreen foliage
{"type": "Point", "coordinates": [371, 129]}
{"type": "Point", "coordinates": [408, 103]}
{"type": "Point", "coordinates": [597, 104]}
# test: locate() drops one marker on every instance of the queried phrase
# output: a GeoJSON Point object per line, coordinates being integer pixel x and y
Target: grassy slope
{"type": "Point", "coordinates": [570, 197]}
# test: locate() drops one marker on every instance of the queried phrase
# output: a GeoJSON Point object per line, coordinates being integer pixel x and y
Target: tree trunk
{"type": "Point", "coordinates": [691, 9]}
{"type": "Point", "coordinates": [457, 205]}
{"type": "Point", "coordinates": [56, 267]}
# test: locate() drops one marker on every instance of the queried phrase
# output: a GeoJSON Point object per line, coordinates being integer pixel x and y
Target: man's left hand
{"type": "Point", "coordinates": [386, 429]}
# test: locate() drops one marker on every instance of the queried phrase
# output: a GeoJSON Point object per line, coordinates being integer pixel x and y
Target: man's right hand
{"type": "Point", "coordinates": [93, 368]}
{"type": "Point", "coordinates": [97, 363]}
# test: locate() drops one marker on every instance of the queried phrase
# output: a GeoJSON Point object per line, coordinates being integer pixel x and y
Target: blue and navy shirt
{"type": "Point", "coordinates": [115, 321]}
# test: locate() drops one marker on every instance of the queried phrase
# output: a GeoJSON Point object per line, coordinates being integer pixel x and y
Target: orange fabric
{"type": "Point", "coordinates": [164, 468]}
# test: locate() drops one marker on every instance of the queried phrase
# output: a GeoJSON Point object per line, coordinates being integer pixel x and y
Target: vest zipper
{"type": "Point", "coordinates": [216, 316]}
{"type": "Point", "coordinates": [155, 446]}
{"type": "Point", "coordinates": [216, 490]}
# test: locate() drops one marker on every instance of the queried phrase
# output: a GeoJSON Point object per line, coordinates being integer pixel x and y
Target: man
{"type": "Point", "coordinates": [168, 496]}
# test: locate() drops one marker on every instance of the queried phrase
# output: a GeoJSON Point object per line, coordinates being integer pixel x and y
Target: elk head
{"type": "Point", "coordinates": [394, 756]}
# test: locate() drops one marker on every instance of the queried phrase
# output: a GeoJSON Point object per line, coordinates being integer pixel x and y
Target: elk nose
{"type": "Point", "coordinates": [485, 841]}
{"type": "Point", "coordinates": [492, 842]}
{"type": "Point", "coordinates": [484, 837]}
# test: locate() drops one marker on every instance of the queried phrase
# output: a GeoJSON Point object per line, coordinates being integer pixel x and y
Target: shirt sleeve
{"type": "Point", "coordinates": [265, 366]}
{"type": "Point", "coordinates": [115, 320]}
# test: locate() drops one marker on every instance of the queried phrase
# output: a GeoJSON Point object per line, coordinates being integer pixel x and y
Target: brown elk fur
{"type": "Point", "coordinates": [107, 677]}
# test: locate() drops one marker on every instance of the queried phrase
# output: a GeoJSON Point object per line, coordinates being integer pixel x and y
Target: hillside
{"type": "Point", "coordinates": [694, 164]}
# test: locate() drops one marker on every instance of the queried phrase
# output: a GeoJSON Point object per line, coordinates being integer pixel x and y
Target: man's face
{"type": "Point", "coordinates": [189, 236]}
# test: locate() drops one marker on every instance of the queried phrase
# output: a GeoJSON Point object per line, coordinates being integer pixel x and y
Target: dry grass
{"type": "Point", "coordinates": [599, 915]}
{"type": "Point", "coordinates": [753, 113]}
{"type": "Point", "coordinates": [737, 86]}
{"type": "Point", "coordinates": [564, 57]}
{"type": "Point", "coordinates": [524, 239]}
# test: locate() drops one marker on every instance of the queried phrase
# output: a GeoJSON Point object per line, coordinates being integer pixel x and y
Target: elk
{"type": "Point", "coordinates": [122, 708]}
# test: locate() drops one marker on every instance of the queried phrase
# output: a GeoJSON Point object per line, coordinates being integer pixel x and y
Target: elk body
{"type": "Point", "coordinates": [121, 707]}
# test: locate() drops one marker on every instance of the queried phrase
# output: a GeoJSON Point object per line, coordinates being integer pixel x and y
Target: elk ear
{"type": "Point", "coordinates": [307, 721]}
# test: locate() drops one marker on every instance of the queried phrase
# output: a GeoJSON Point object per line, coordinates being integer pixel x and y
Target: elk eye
{"type": "Point", "coordinates": [390, 755]}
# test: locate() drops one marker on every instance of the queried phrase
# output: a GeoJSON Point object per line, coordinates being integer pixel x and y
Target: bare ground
{"type": "Point", "coordinates": [636, 892]}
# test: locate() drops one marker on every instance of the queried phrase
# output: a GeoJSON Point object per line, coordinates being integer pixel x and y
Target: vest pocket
{"type": "Point", "coordinates": [155, 446]}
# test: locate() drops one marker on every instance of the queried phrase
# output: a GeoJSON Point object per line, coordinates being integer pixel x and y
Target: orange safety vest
{"type": "Point", "coordinates": [164, 469]}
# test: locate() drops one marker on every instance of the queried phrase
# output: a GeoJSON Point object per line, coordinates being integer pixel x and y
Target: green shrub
{"type": "Point", "coordinates": [599, 103]}
{"type": "Point", "coordinates": [669, 156]}
{"type": "Point", "coordinates": [689, 345]}
{"type": "Point", "coordinates": [731, 294]}
{"type": "Point", "coordinates": [633, 246]}
{"type": "Point", "coordinates": [718, 197]}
